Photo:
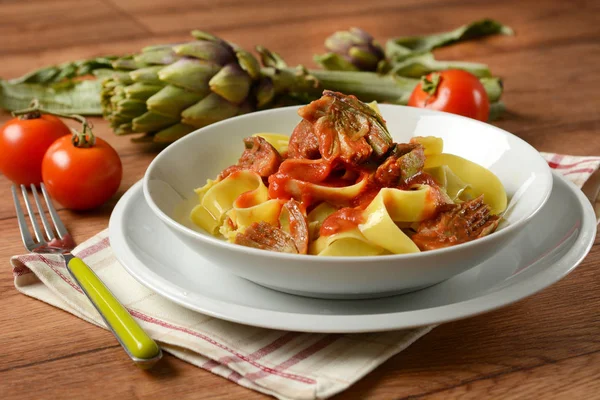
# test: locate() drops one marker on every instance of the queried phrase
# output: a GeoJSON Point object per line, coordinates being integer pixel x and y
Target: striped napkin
{"type": "Point", "coordinates": [286, 365]}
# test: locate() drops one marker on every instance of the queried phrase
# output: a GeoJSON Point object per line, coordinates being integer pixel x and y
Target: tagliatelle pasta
{"type": "Point", "coordinates": [239, 218]}
{"type": "Point", "coordinates": [431, 144]}
{"type": "Point", "coordinates": [347, 243]}
{"type": "Point", "coordinates": [379, 228]}
{"type": "Point", "coordinates": [339, 186]}
{"type": "Point", "coordinates": [481, 180]}
{"type": "Point", "coordinates": [218, 197]}
{"type": "Point", "coordinates": [278, 141]}
{"type": "Point", "coordinates": [454, 187]}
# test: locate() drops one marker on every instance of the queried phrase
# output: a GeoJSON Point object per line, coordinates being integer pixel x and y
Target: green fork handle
{"type": "Point", "coordinates": [141, 348]}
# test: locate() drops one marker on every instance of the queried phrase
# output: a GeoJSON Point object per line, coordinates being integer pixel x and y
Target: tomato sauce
{"type": "Point", "coordinates": [314, 171]}
{"type": "Point", "coordinates": [342, 220]}
{"type": "Point", "coordinates": [278, 186]}
{"type": "Point", "coordinates": [296, 179]}
{"type": "Point", "coordinates": [422, 178]}
{"type": "Point", "coordinates": [367, 194]}
{"type": "Point", "coordinates": [245, 200]}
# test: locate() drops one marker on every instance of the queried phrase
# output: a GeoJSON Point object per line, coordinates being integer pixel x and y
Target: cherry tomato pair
{"type": "Point", "coordinates": [38, 147]}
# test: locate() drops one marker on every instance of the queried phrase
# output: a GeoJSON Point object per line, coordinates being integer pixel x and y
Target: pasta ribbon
{"type": "Point", "coordinates": [338, 196]}
{"type": "Point", "coordinates": [379, 227]}
{"type": "Point", "coordinates": [241, 217]}
{"type": "Point", "coordinates": [317, 216]}
{"type": "Point", "coordinates": [218, 197]}
{"type": "Point", "coordinates": [407, 205]}
{"type": "Point", "coordinates": [347, 243]}
{"type": "Point", "coordinates": [481, 180]}
{"type": "Point", "coordinates": [277, 140]}
{"type": "Point", "coordinates": [431, 144]}
{"type": "Point", "coordinates": [455, 188]}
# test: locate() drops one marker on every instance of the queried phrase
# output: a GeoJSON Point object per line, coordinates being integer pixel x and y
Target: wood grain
{"type": "Point", "coordinates": [537, 382]}
{"type": "Point", "coordinates": [545, 346]}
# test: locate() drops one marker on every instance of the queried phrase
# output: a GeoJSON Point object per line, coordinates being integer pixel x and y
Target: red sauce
{"type": "Point", "coordinates": [229, 171]}
{"type": "Point", "coordinates": [349, 218]}
{"type": "Point", "coordinates": [245, 200]}
{"type": "Point", "coordinates": [231, 224]}
{"type": "Point", "coordinates": [314, 171]}
{"type": "Point", "coordinates": [422, 178]}
{"type": "Point", "coordinates": [278, 186]}
{"type": "Point", "coordinates": [284, 187]}
{"type": "Point", "coordinates": [436, 200]}
{"type": "Point", "coordinates": [367, 194]}
{"type": "Point", "coordinates": [342, 220]}
{"type": "Point", "coordinates": [296, 177]}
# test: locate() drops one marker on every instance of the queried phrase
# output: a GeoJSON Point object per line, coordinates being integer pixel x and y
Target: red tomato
{"type": "Point", "coordinates": [455, 91]}
{"type": "Point", "coordinates": [23, 143]}
{"type": "Point", "coordinates": [81, 178]}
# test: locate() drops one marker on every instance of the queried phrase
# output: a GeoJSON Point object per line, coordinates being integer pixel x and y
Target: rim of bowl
{"type": "Point", "coordinates": [212, 240]}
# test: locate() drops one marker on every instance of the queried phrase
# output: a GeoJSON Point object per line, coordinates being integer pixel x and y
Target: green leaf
{"type": "Point", "coordinates": [422, 64]}
{"type": "Point", "coordinates": [56, 73]}
{"type": "Point", "coordinates": [401, 47]}
{"type": "Point", "coordinates": [79, 97]}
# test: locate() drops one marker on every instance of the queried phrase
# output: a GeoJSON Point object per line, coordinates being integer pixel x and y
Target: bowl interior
{"type": "Point", "coordinates": [170, 180]}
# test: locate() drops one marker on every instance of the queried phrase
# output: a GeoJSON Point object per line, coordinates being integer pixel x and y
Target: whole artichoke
{"type": "Point", "coordinates": [168, 91]}
{"type": "Point", "coordinates": [351, 50]}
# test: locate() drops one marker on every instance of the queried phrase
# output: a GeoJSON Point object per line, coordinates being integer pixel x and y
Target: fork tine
{"type": "Point", "coordinates": [60, 228]}
{"type": "Point", "coordinates": [47, 227]}
{"type": "Point", "coordinates": [25, 235]}
{"type": "Point", "coordinates": [34, 223]}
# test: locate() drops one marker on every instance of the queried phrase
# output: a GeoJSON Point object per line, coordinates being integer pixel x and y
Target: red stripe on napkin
{"type": "Point", "coordinates": [580, 171]}
{"type": "Point", "coordinates": [296, 358]}
{"type": "Point", "coordinates": [63, 277]}
{"type": "Point", "coordinates": [101, 245]}
{"type": "Point", "coordinates": [264, 369]}
{"type": "Point", "coordinates": [260, 353]}
{"type": "Point", "coordinates": [556, 165]}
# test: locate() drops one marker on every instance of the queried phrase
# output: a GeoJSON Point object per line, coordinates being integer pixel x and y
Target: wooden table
{"type": "Point", "coordinates": [547, 346]}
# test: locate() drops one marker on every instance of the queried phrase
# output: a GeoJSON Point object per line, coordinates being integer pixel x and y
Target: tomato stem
{"type": "Point", "coordinates": [85, 138]}
{"type": "Point", "coordinates": [430, 83]}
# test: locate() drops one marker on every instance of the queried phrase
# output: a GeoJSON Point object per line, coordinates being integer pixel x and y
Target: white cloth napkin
{"type": "Point", "coordinates": [286, 365]}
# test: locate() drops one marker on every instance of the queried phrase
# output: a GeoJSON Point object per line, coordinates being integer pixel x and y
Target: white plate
{"type": "Point", "coordinates": [551, 246]}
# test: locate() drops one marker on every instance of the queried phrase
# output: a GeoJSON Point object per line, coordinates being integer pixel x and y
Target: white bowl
{"type": "Point", "coordinates": [171, 178]}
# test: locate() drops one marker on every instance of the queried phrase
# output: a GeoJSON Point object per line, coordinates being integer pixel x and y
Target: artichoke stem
{"type": "Point", "coordinates": [367, 86]}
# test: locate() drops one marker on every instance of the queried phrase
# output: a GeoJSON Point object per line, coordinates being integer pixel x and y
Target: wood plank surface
{"type": "Point", "coordinates": [546, 346]}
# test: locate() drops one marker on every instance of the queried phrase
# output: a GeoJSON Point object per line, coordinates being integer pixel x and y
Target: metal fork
{"type": "Point", "coordinates": [139, 346]}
